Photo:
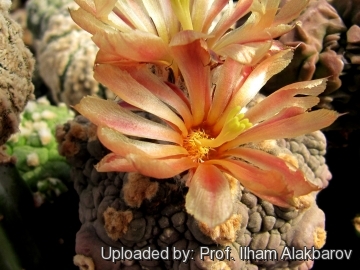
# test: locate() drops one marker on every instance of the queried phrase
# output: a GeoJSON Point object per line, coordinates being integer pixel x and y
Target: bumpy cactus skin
{"type": "Point", "coordinates": [35, 149]}
{"type": "Point", "coordinates": [65, 52]}
{"type": "Point", "coordinates": [16, 67]}
{"type": "Point", "coordinates": [135, 212]}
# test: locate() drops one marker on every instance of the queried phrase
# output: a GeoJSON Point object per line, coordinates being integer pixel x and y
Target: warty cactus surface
{"type": "Point", "coordinates": [16, 67]}
{"type": "Point", "coordinates": [130, 211]}
{"type": "Point", "coordinates": [65, 53]}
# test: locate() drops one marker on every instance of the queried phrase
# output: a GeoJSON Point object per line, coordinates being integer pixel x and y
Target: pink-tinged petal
{"type": "Point", "coordinates": [266, 184]}
{"type": "Point", "coordinates": [215, 9]}
{"type": "Point", "coordinates": [249, 54]}
{"type": "Point", "coordinates": [198, 13]}
{"type": "Point", "coordinates": [160, 168]}
{"type": "Point", "coordinates": [259, 76]}
{"type": "Point", "coordinates": [295, 180]}
{"type": "Point", "coordinates": [191, 55]}
{"type": "Point", "coordinates": [127, 88]}
{"type": "Point", "coordinates": [229, 18]}
{"type": "Point", "coordinates": [285, 128]}
{"type": "Point", "coordinates": [209, 197]}
{"type": "Point", "coordinates": [172, 23]}
{"type": "Point", "coordinates": [104, 7]}
{"type": "Point", "coordinates": [290, 11]}
{"type": "Point", "coordinates": [257, 79]}
{"type": "Point", "coordinates": [180, 93]}
{"type": "Point", "coordinates": [123, 146]}
{"type": "Point", "coordinates": [87, 21]}
{"type": "Point", "coordinates": [154, 8]}
{"type": "Point", "coordinates": [136, 14]}
{"type": "Point", "coordinates": [276, 31]}
{"type": "Point", "coordinates": [108, 113]}
{"type": "Point", "coordinates": [136, 45]}
{"type": "Point", "coordinates": [228, 77]}
{"type": "Point", "coordinates": [287, 97]}
{"type": "Point", "coordinates": [105, 57]}
{"type": "Point", "coordinates": [169, 95]}
{"type": "Point", "coordinates": [87, 5]}
{"type": "Point", "coordinates": [114, 163]}
{"type": "Point", "coordinates": [257, 180]}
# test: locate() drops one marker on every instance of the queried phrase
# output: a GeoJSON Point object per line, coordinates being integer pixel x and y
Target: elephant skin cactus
{"type": "Point", "coordinates": [190, 157]}
{"type": "Point", "coordinates": [35, 149]}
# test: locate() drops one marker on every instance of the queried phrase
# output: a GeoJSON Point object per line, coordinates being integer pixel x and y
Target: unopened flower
{"type": "Point", "coordinates": [129, 32]}
{"type": "Point", "coordinates": [206, 130]}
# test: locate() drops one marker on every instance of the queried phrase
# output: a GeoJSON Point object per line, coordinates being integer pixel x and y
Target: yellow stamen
{"type": "Point", "coordinates": [182, 11]}
{"type": "Point", "coordinates": [193, 145]}
{"type": "Point", "coordinates": [234, 125]}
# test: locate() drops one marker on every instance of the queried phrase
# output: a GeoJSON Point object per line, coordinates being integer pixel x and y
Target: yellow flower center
{"type": "Point", "coordinates": [196, 150]}
{"type": "Point", "coordinates": [198, 143]}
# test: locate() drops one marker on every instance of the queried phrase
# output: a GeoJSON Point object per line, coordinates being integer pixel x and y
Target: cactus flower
{"type": "Point", "coordinates": [205, 128]}
{"type": "Point", "coordinates": [129, 32]}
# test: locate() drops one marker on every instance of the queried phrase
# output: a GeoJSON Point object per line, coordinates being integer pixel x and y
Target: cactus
{"type": "Point", "coordinates": [65, 53]}
{"type": "Point", "coordinates": [16, 67]}
{"type": "Point", "coordinates": [35, 149]}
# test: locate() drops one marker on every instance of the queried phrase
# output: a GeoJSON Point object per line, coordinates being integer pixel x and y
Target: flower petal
{"type": "Point", "coordinates": [136, 14]}
{"type": "Point", "coordinates": [228, 76]}
{"type": "Point", "coordinates": [135, 45]}
{"type": "Point", "coordinates": [108, 113]}
{"type": "Point", "coordinates": [287, 97]}
{"type": "Point", "coordinates": [160, 168]}
{"type": "Point", "coordinates": [87, 21]}
{"type": "Point", "coordinates": [153, 7]}
{"type": "Point", "coordinates": [123, 146]}
{"type": "Point", "coordinates": [192, 57]}
{"type": "Point", "coordinates": [257, 78]}
{"type": "Point", "coordinates": [127, 88]}
{"type": "Point", "coordinates": [209, 197]}
{"type": "Point", "coordinates": [285, 128]}
{"type": "Point", "coordinates": [230, 17]}
{"type": "Point", "coordinates": [266, 184]}
{"type": "Point", "coordinates": [249, 54]}
{"type": "Point", "coordinates": [114, 163]}
{"type": "Point", "coordinates": [164, 91]}
{"type": "Point", "coordinates": [290, 11]}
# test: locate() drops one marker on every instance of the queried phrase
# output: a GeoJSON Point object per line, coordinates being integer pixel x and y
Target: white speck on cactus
{"type": "Point", "coordinates": [26, 129]}
{"type": "Point", "coordinates": [48, 115]}
{"type": "Point", "coordinates": [53, 180]}
{"type": "Point", "coordinates": [45, 136]}
{"type": "Point", "coordinates": [32, 160]}
{"type": "Point", "coordinates": [36, 116]}
{"type": "Point", "coordinates": [14, 138]}
{"type": "Point", "coordinates": [43, 100]}
{"type": "Point", "coordinates": [40, 125]}
{"type": "Point", "coordinates": [30, 106]}
{"type": "Point", "coordinates": [57, 192]}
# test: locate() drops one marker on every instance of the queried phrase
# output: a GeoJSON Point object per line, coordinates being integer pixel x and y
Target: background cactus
{"type": "Point", "coordinates": [65, 53]}
{"type": "Point", "coordinates": [35, 149]}
{"type": "Point", "coordinates": [16, 67]}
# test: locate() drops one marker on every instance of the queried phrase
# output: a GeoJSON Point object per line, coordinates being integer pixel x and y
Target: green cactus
{"type": "Point", "coordinates": [35, 149]}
